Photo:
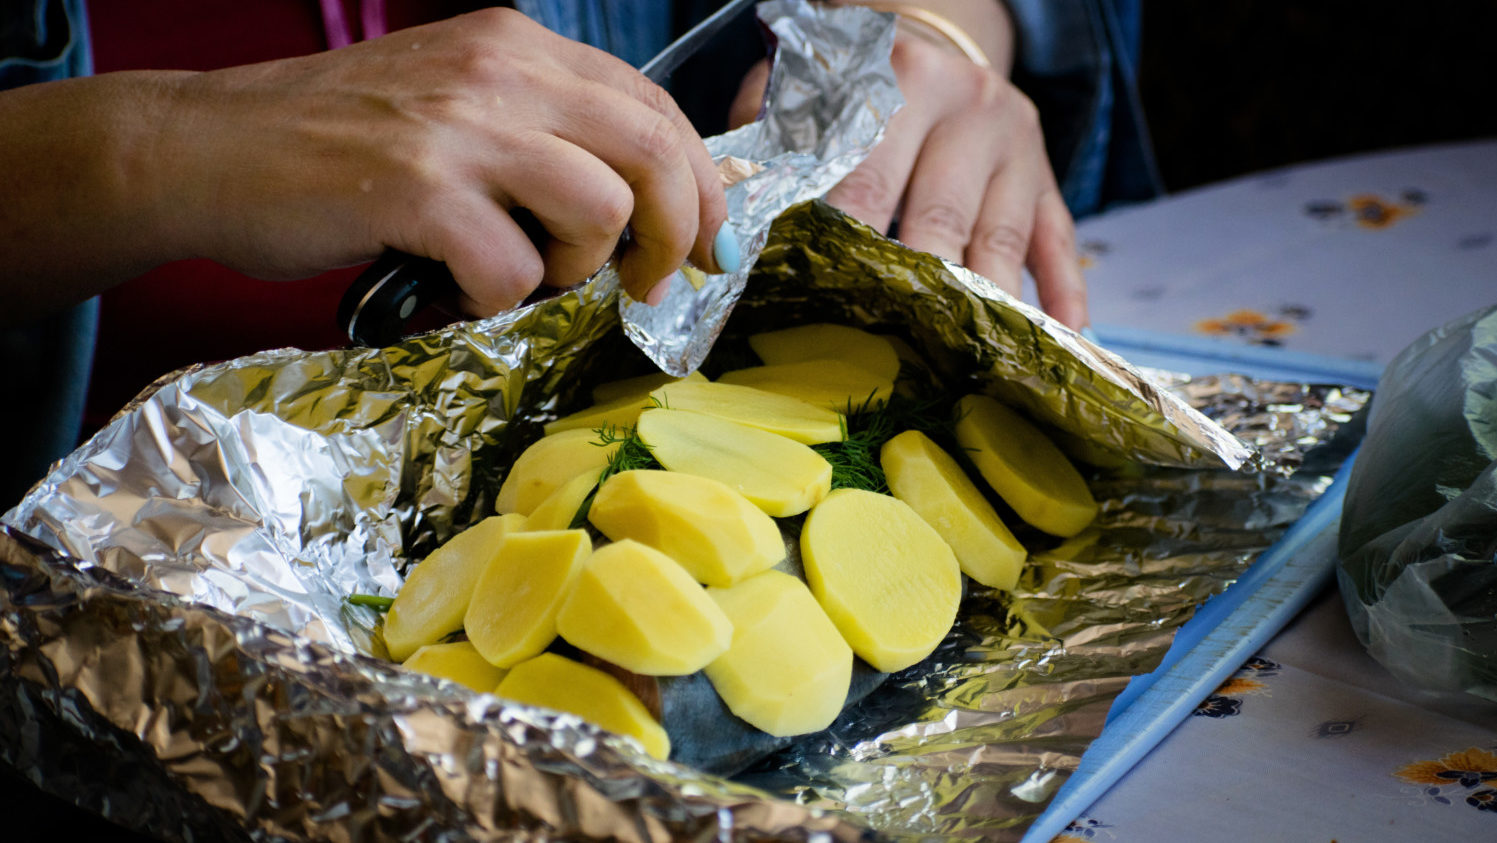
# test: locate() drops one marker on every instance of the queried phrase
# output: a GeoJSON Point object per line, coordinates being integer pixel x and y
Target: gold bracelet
{"type": "Point", "coordinates": [939, 23]}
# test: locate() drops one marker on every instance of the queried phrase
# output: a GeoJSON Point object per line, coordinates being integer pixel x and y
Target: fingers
{"type": "Point", "coordinates": [872, 192]}
{"type": "Point", "coordinates": [750, 97]}
{"type": "Point", "coordinates": [495, 264]}
{"type": "Point", "coordinates": [679, 205]}
{"type": "Point", "coordinates": [947, 189]}
{"type": "Point", "coordinates": [581, 202]}
{"type": "Point", "coordinates": [1053, 262]}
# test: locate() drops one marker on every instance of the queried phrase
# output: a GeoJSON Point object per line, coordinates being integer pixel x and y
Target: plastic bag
{"type": "Point", "coordinates": [1418, 543]}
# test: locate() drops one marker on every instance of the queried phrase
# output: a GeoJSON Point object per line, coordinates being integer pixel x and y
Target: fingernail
{"type": "Point", "coordinates": [725, 249]}
{"type": "Point", "coordinates": [1090, 334]}
{"type": "Point", "coordinates": [657, 292]}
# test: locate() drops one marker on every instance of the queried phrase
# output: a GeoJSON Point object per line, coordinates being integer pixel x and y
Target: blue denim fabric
{"type": "Point", "coordinates": [633, 30]}
{"type": "Point", "coordinates": [1077, 59]}
{"type": "Point", "coordinates": [47, 362]}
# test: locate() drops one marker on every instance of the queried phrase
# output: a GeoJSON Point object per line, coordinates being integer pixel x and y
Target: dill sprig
{"type": "Point", "coordinates": [378, 603]}
{"type": "Point", "coordinates": [865, 429]}
{"type": "Point", "coordinates": [632, 452]}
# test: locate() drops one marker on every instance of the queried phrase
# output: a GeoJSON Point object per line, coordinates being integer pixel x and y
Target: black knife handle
{"type": "Point", "coordinates": [377, 305]}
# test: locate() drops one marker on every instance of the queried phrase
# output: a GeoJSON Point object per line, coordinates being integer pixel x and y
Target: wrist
{"type": "Point", "coordinates": [981, 30]}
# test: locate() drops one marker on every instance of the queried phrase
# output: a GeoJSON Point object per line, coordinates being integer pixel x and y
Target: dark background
{"type": "Point", "coordinates": [1229, 87]}
{"type": "Point", "coordinates": [1232, 87]}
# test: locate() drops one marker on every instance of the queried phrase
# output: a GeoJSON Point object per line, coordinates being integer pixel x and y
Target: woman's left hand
{"type": "Point", "coordinates": [963, 167]}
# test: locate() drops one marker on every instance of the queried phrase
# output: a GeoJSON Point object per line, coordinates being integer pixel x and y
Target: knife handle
{"type": "Point", "coordinates": [378, 303]}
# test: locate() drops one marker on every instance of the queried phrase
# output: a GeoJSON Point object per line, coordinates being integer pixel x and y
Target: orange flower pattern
{"type": "Point", "coordinates": [1463, 774]}
{"type": "Point", "coordinates": [1254, 326]}
{"type": "Point", "coordinates": [1369, 210]}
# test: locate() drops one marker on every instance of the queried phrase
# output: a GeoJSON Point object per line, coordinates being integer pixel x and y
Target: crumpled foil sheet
{"type": "Point", "coordinates": [176, 654]}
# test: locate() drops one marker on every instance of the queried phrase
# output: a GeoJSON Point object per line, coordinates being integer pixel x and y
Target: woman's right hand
{"type": "Point", "coordinates": [425, 140]}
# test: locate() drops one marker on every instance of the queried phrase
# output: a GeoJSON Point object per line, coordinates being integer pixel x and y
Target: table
{"type": "Point", "coordinates": [1335, 265]}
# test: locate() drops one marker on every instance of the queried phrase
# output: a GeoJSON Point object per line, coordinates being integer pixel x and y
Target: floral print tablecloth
{"type": "Point", "coordinates": [1351, 258]}
{"type": "Point", "coordinates": [1310, 740]}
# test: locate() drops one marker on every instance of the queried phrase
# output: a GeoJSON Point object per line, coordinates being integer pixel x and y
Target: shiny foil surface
{"type": "Point", "coordinates": [176, 651]}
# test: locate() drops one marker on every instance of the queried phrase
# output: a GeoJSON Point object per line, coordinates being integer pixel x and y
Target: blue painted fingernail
{"type": "Point", "coordinates": [725, 249]}
{"type": "Point", "coordinates": [1090, 334]}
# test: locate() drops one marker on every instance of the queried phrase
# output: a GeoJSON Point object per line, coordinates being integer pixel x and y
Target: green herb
{"type": "Point", "coordinates": [373, 601]}
{"type": "Point", "coordinates": [865, 429]}
{"type": "Point", "coordinates": [632, 452]}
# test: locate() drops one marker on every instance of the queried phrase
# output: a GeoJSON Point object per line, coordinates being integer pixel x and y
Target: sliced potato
{"type": "Point", "coordinates": [930, 481]}
{"type": "Point", "coordinates": [548, 463]}
{"type": "Point", "coordinates": [559, 510]}
{"type": "Point", "coordinates": [781, 476]}
{"type": "Point", "coordinates": [788, 670]}
{"type": "Point", "coordinates": [635, 607]}
{"type": "Point", "coordinates": [512, 614]}
{"type": "Point", "coordinates": [434, 598]}
{"type": "Point", "coordinates": [716, 534]}
{"type": "Point", "coordinates": [887, 580]}
{"type": "Point", "coordinates": [826, 341]}
{"type": "Point", "coordinates": [1024, 467]}
{"type": "Point", "coordinates": [640, 385]}
{"type": "Point", "coordinates": [556, 682]}
{"type": "Point", "coordinates": [835, 384]}
{"type": "Point", "coordinates": [792, 418]}
{"type": "Point", "coordinates": [459, 661]}
{"type": "Point", "coordinates": [620, 412]}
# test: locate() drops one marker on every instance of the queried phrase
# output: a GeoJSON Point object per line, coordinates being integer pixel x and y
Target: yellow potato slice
{"type": "Point", "coordinates": [934, 485]}
{"type": "Point", "coordinates": [432, 601]}
{"type": "Point", "coordinates": [459, 661]}
{"type": "Point", "coordinates": [1024, 467]}
{"type": "Point", "coordinates": [788, 670]}
{"type": "Point", "coordinates": [887, 580]}
{"type": "Point", "coordinates": [512, 613]}
{"type": "Point", "coordinates": [779, 475]}
{"type": "Point", "coordinates": [620, 412]}
{"type": "Point", "coordinates": [716, 534]}
{"type": "Point", "coordinates": [792, 418]}
{"type": "Point", "coordinates": [825, 341]}
{"type": "Point", "coordinates": [559, 510]}
{"type": "Point", "coordinates": [548, 463]}
{"type": "Point", "coordinates": [556, 682]}
{"type": "Point", "coordinates": [635, 607]}
{"type": "Point", "coordinates": [835, 384]}
{"type": "Point", "coordinates": [640, 385]}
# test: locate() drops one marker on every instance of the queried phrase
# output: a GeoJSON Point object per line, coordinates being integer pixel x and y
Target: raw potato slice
{"type": "Point", "coordinates": [779, 475]}
{"type": "Point", "coordinates": [640, 385]}
{"type": "Point", "coordinates": [930, 481]}
{"type": "Point", "coordinates": [716, 534]}
{"type": "Point", "coordinates": [620, 412]}
{"type": "Point", "coordinates": [788, 670]}
{"type": "Point", "coordinates": [512, 614]}
{"type": "Point", "coordinates": [552, 681]}
{"type": "Point", "coordinates": [635, 607]}
{"type": "Point", "coordinates": [548, 463]}
{"type": "Point", "coordinates": [824, 341]}
{"type": "Point", "coordinates": [792, 418]}
{"type": "Point", "coordinates": [885, 578]}
{"type": "Point", "coordinates": [558, 511]}
{"type": "Point", "coordinates": [1024, 467]}
{"type": "Point", "coordinates": [459, 661]}
{"type": "Point", "coordinates": [434, 597]}
{"type": "Point", "coordinates": [835, 384]}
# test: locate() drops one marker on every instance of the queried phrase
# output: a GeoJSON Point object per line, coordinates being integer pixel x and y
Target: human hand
{"type": "Point", "coordinates": [963, 166]}
{"type": "Point", "coordinates": [427, 140]}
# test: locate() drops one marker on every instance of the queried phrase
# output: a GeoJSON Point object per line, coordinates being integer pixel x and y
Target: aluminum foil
{"type": "Point", "coordinates": [176, 652]}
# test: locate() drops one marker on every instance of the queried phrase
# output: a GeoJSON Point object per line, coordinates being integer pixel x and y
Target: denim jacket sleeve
{"type": "Point", "coordinates": [49, 360]}
{"type": "Point", "coordinates": [1077, 60]}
